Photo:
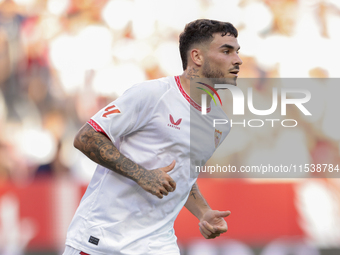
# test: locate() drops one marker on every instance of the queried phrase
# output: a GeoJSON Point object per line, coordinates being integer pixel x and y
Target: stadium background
{"type": "Point", "coordinates": [62, 60]}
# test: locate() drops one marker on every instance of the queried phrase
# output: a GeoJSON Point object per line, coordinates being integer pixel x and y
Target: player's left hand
{"type": "Point", "coordinates": [212, 223]}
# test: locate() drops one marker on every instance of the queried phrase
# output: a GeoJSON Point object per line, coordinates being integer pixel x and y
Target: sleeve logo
{"type": "Point", "coordinates": [110, 110]}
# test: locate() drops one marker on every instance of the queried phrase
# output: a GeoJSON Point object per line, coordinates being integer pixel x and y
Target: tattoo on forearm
{"type": "Point", "coordinates": [101, 150]}
{"type": "Point", "coordinates": [194, 191]}
{"type": "Point", "coordinates": [193, 73]}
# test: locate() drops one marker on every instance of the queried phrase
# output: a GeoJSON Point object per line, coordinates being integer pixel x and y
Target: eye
{"type": "Point", "coordinates": [226, 52]}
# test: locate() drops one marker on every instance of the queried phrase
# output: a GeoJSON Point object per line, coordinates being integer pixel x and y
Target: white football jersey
{"type": "Point", "coordinates": [151, 124]}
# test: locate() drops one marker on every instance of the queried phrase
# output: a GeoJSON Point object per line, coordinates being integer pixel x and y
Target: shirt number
{"type": "Point", "coordinates": [110, 110]}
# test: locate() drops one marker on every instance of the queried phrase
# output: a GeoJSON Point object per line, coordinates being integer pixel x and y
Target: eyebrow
{"type": "Point", "coordinates": [229, 47]}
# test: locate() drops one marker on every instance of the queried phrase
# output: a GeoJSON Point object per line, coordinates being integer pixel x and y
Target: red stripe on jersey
{"type": "Point", "coordinates": [83, 253]}
{"type": "Point", "coordinates": [186, 96]}
{"type": "Point", "coordinates": [96, 127]}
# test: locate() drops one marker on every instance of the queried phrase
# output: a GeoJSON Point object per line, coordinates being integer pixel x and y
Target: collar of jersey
{"type": "Point", "coordinates": [187, 97]}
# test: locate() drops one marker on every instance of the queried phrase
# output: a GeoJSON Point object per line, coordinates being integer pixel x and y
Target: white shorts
{"type": "Point", "coordinates": [71, 251]}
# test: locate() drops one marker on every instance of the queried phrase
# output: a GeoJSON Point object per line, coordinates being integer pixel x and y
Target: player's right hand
{"type": "Point", "coordinates": [157, 181]}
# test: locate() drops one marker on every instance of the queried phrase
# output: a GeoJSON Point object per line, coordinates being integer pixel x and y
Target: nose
{"type": "Point", "coordinates": [237, 60]}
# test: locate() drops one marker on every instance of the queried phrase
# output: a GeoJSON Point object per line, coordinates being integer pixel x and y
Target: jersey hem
{"type": "Point", "coordinates": [82, 248]}
{"type": "Point", "coordinates": [165, 253]}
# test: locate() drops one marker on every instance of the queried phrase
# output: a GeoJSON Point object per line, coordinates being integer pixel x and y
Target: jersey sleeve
{"type": "Point", "coordinates": [128, 113]}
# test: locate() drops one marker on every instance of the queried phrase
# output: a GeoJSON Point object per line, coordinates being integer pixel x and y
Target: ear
{"type": "Point", "coordinates": [196, 56]}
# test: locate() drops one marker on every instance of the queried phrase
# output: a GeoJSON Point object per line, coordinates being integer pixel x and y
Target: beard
{"type": "Point", "coordinates": [216, 75]}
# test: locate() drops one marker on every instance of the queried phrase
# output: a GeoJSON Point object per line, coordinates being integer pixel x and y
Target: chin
{"type": "Point", "coordinates": [225, 80]}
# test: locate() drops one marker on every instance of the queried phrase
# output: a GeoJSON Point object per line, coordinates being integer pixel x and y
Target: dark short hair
{"type": "Point", "coordinates": [201, 31]}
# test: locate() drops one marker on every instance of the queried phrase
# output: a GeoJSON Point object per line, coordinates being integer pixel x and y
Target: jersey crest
{"type": "Point", "coordinates": [217, 137]}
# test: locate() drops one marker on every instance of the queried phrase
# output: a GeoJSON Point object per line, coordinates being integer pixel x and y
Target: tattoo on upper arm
{"type": "Point", "coordinates": [101, 150]}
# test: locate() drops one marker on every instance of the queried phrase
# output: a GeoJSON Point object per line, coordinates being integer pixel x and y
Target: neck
{"type": "Point", "coordinates": [191, 81]}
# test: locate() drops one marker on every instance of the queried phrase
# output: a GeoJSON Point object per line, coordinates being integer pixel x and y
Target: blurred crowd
{"type": "Point", "coordinates": [63, 60]}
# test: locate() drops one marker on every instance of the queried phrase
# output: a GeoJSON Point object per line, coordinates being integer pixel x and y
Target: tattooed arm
{"type": "Point", "coordinates": [101, 150]}
{"type": "Point", "coordinates": [196, 203]}
{"type": "Point", "coordinates": [212, 222]}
